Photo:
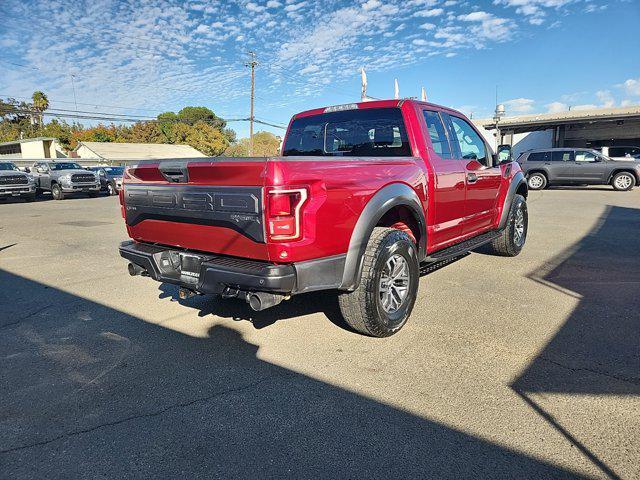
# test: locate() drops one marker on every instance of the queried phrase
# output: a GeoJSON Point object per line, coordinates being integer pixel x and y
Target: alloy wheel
{"type": "Point", "coordinates": [394, 283]}
{"type": "Point", "coordinates": [623, 182]}
{"type": "Point", "coordinates": [535, 181]}
{"type": "Point", "coordinates": [518, 228]}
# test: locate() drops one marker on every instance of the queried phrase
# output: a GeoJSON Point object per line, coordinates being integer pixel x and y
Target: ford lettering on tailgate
{"type": "Point", "coordinates": [238, 208]}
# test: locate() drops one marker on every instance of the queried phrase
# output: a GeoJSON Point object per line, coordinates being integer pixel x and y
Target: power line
{"type": "Point", "coordinates": [81, 103]}
{"type": "Point", "coordinates": [58, 113]}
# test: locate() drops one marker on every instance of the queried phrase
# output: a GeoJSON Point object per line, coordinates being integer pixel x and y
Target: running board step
{"type": "Point", "coordinates": [463, 247]}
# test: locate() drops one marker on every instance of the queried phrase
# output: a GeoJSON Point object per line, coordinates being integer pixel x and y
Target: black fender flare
{"type": "Point", "coordinates": [393, 195]}
{"type": "Point", "coordinates": [517, 180]}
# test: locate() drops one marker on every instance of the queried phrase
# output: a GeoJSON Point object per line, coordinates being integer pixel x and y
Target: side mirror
{"type": "Point", "coordinates": [27, 170]}
{"type": "Point", "coordinates": [505, 154]}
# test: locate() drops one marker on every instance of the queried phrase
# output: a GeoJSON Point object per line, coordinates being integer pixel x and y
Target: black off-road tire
{"type": "Point", "coordinates": [506, 245]}
{"type": "Point", "coordinates": [56, 192]}
{"type": "Point", "coordinates": [362, 308]}
{"type": "Point", "coordinates": [615, 181]}
{"type": "Point", "coordinates": [542, 181]}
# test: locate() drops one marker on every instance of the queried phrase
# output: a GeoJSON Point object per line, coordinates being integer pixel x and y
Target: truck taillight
{"type": "Point", "coordinates": [283, 213]}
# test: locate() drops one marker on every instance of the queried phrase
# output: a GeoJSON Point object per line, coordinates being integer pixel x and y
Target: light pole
{"type": "Point", "coordinates": [498, 114]}
{"type": "Point", "coordinates": [75, 100]}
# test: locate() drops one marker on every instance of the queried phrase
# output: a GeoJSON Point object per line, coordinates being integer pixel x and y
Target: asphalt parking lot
{"type": "Point", "coordinates": [526, 367]}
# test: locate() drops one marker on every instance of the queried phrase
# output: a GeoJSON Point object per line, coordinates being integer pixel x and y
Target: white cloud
{"type": "Point", "coordinates": [254, 7]}
{"type": "Point", "coordinates": [606, 98]}
{"type": "Point", "coordinates": [427, 26]}
{"type": "Point", "coordinates": [434, 12]}
{"type": "Point", "coordinates": [476, 17]}
{"type": "Point", "coordinates": [371, 4]}
{"type": "Point", "coordinates": [556, 107]}
{"type": "Point", "coordinates": [632, 86]}
{"type": "Point", "coordinates": [533, 7]}
{"type": "Point", "coordinates": [519, 105]}
{"type": "Point", "coordinates": [273, 4]}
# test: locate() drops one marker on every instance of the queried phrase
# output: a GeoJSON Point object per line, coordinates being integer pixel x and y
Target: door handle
{"type": "Point", "coordinates": [472, 178]}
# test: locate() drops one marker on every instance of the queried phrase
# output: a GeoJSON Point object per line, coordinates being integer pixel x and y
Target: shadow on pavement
{"type": "Point", "coordinates": [299, 305]}
{"type": "Point", "coordinates": [598, 347]}
{"type": "Point", "coordinates": [89, 391]}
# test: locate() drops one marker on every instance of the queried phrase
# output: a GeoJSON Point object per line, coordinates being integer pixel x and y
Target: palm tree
{"type": "Point", "coordinates": [40, 103]}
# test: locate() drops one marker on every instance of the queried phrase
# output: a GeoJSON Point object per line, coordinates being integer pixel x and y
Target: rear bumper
{"type": "Point", "coordinates": [216, 272]}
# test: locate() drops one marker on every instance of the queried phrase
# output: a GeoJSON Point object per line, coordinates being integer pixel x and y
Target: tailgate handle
{"type": "Point", "coordinates": [174, 172]}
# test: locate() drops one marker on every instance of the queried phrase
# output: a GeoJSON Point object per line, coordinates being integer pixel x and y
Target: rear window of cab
{"type": "Point", "coordinates": [375, 132]}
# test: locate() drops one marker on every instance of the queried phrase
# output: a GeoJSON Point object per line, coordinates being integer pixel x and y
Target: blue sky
{"type": "Point", "coordinates": [144, 58]}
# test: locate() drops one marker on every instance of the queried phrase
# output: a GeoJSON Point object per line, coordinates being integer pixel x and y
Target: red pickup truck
{"type": "Point", "coordinates": [361, 197]}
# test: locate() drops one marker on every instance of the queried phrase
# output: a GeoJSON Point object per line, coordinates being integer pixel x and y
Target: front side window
{"type": "Point", "coordinates": [585, 156]}
{"type": "Point", "coordinates": [375, 132]}
{"type": "Point", "coordinates": [562, 156]}
{"type": "Point", "coordinates": [471, 145]}
{"type": "Point", "coordinates": [437, 134]}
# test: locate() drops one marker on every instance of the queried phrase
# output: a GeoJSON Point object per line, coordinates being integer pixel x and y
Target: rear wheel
{"type": "Point", "coordinates": [537, 181]}
{"type": "Point", "coordinates": [386, 294]}
{"type": "Point", "coordinates": [623, 181]}
{"type": "Point", "coordinates": [56, 192]}
{"type": "Point", "coordinates": [513, 236]}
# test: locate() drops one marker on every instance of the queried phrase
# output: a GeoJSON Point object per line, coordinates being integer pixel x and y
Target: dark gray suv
{"type": "Point", "coordinates": [576, 166]}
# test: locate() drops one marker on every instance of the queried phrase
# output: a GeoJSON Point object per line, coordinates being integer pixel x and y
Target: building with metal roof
{"type": "Point", "coordinates": [593, 128]}
{"type": "Point", "coordinates": [134, 151]}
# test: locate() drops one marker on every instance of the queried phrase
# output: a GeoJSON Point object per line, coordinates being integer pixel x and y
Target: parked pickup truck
{"type": "Point", "coordinates": [64, 178]}
{"type": "Point", "coordinates": [14, 183]}
{"type": "Point", "coordinates": [361, 197]}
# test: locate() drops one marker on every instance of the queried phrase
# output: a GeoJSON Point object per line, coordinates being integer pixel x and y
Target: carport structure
{"type": "Point", "coordinates": [574, 128]}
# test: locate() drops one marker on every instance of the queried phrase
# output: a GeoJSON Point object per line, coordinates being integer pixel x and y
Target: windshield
{"type": "Point", "coordinates": [65, 166]}
{"type": "Point", "coordinates": [8, 166]}
{"type": "Point", "coordinates": [114, 171]}
{"type": "Point", "coordinates": [375, 132]}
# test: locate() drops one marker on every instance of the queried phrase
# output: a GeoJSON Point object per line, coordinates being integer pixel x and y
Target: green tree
{"type": "Point", "coordinates": [265, 144]}
{"type": "Point", "coordinates": [40, 104]}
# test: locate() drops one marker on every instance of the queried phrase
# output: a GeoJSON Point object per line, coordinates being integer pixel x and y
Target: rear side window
{"type": "Point", "coordinates": [623, 151]}
{"type": "Point", "coordinates": [539, 157]}
{"type": "Point", "coordinates": [437, 134]}
{"type": "Point", "coordinates": [375, 132]}
{"type": "Point", "coordinates": [562, 156]}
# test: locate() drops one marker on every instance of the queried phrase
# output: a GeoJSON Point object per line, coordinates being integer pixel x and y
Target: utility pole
{"type": "Point", "coordinates": [252, 63]}
{"type": "Point", "coordinates": [75, 100]}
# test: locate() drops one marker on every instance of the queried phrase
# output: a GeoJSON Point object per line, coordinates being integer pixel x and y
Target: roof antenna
{"type": "Point", "coordinates": [396, 90]}
{"type": "Point", "coordinates": [423, 95]}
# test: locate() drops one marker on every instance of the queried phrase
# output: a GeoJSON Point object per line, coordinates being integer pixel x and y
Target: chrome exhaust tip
{"type": "Point", "coordinates": [259, 301]}
{"type": "Point", "coordinates": [135, 269]}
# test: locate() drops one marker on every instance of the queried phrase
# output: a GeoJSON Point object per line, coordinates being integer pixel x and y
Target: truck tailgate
{"type": "Point", "coordinates": [213, 205]}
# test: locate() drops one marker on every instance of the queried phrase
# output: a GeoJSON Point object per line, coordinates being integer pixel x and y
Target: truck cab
{"type": "Point", "coordinates": [16, 184]}
{"type": "Point", "coordinates": [361, 197]}
{"type": "Point", "coordinates": [64, 178]}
